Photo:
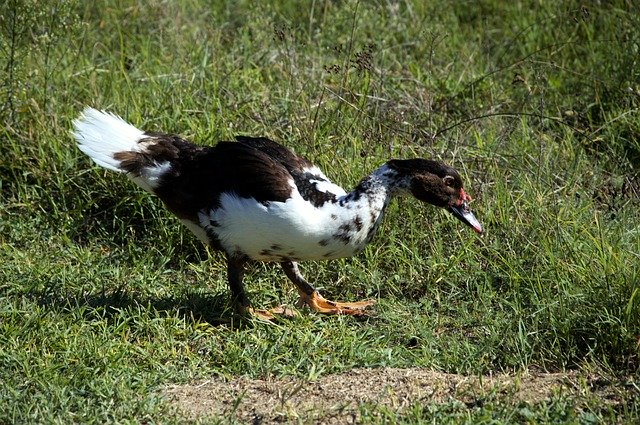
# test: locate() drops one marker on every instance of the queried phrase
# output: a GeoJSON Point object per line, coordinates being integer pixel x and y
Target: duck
{"type": "Point", "coordinates": [255, 200]}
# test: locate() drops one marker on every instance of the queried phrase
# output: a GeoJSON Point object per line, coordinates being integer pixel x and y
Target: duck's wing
{"type": "Point", "coordinates": [292, 162]}
{"type": "Point", "coordinates": [310, 181]}
{"type": "Point", "coordinates": [196, 181]}
{"type": "Point", "coordinates": [251, 173]}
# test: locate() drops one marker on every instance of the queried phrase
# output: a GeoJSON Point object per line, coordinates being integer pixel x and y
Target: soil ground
{"type": "Point", "coordinates": [335, 399]}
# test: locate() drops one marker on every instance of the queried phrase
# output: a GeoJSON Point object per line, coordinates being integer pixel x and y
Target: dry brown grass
{"type": "Point", "coordinates": [335, 399]}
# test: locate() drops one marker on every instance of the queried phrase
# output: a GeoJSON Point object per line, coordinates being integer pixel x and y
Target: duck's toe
{"type": "Point", "coordinates": [269, 315]}
{"type": "Point", "coordinates": [318, 303]}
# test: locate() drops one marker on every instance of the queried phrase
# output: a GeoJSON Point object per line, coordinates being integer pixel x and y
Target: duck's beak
{"type": "Point", "coordinates": [464, 214]}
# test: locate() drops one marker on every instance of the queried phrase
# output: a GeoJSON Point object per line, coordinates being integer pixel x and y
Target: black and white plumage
{"type": "Point", "coordinates": [255, 200]}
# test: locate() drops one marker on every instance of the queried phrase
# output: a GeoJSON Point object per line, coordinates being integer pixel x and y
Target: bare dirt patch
{"type": "Point", "coordinates": [335, 398]}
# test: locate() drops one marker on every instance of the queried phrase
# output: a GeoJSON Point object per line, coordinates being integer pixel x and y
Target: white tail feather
{"type": "Point", "coordinates": [101, 134]}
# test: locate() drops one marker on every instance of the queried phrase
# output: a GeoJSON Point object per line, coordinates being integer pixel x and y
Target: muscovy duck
{"type": "Point", "coordinates": [255, 200]}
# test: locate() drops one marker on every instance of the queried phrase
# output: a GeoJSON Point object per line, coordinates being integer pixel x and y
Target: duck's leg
{"type": "Point", "coordinates": [235, 272]}
{"type": "Point", "coordinates": [310, 296]}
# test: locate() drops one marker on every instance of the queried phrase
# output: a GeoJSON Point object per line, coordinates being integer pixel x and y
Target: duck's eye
{"type": "Point", "coordinates": [448, 180]}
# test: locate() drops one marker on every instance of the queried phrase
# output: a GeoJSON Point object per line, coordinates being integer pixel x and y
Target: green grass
{"type": "Point", "coordinates": [105, 298]}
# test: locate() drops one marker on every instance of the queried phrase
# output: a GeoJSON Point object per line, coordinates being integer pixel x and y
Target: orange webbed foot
{"type": "Point", "coordinates": [269, 315]}
{"type": "Point", "coordinates": [318, 303]}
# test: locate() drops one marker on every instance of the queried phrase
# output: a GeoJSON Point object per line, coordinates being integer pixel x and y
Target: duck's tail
{"type": "Point", "coordinates": [117, 145]}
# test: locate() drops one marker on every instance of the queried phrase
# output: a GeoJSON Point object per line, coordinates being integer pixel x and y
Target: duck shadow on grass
{"type": "Point", "coordinates": [215, 309]}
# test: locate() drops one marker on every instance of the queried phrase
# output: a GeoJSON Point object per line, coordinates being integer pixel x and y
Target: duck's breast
{"type": "Point", "coordinates": [293, 230]}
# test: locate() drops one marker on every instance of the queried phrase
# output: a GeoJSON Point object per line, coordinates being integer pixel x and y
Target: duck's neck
{"type": "Point", "coordinates": [362, 209]}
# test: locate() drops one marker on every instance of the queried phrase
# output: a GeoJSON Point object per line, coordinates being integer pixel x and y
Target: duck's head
{"type": "Point", "coordinates": [439, 185]}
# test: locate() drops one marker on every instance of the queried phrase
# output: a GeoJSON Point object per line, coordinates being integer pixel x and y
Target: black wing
{"type": "Point", "coordinates": [297, 166]}
{"type": "Point", "coordinates": [199, 175]}
{"type": "Point", "coordinates": [292, 162]}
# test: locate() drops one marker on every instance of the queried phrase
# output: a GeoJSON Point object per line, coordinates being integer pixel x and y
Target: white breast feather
{"type": "Point", "coordinates": [296, 227]}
